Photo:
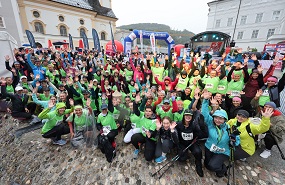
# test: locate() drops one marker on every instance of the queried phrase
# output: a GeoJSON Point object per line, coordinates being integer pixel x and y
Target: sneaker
{"type": "Point", "coordinates": [265, 154]}
{"type": "Point", "coordinates": [136, 153]}
{"type": "Point", "coordinates": [59, 142]}
{"type": "Point", "coordinates": [160, 159]}
{"type": "Point", "coordinates": [243, 159]}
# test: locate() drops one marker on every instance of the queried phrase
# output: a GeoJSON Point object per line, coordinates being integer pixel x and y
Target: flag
{"type": "Point", "coordinates": [113, 41]}
{"type": "Point", "coordinates": [141, 40]}
{"type": "Point", "coordinates": [71, 42]}
{"type": "Point", "coordinates": [152, 42]}
{"type": "Point", "coordinates": [96, 40]}
{"type": "Point", "coordinates": [85, 40]}
{"type": "Point", "coordinates": [31, 39]}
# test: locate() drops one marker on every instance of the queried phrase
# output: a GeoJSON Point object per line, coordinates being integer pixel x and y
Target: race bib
{"type": "Point", "coordinates": [128, 78]}
{"type": "Point", "coordinates": [209, 86]}
{"type": "Point", "coordinates": [115, 116]}
{"type": "Point", "coordinates": [144, 130]}
{"type": "Point", "coordinates": [217, 149]}
{"type": "Point", "coordinates": [265, 93]}
{"type": "Point", "coordinates": [187, 136]}
{"type": "Point", "coordinates": [191, 86]}
{"type": "Point", "coordinates": [221, 87]}
{"type": "Point", "coordinates": [181, 80]}
{"type": "Point", "coordinates": [133, 125]}
{"type": "Point", "coordinates": [235, 93]}
{"type": "Point", "coordinates": [106, 130]}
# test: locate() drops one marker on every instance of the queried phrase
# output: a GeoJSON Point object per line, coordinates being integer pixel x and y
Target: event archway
{"type": "Point", "coordinates": [146, 34]}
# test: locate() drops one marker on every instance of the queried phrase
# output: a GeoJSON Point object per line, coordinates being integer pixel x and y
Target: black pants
{"type": "Point", "coordinates": [269, 141]}
{"type": "Point", "coordinates": [57, 131]}
{"type": "Point", "coordinates": [240, 153]}
{"type": "Point", "coordinates": [112, 134]}
{"type": "Point", "coordinates": [25, 115]}
{"type": "Point", "coordinates": [32, 107]}
{"type": "Point", "coordinates": [149, 145]}
{"type": "Point", "coordinates": [195, 150]}
{"type": "Point", "coordinates": [163, 145]}
{"type": "Point", "coordinates": [215, 162]}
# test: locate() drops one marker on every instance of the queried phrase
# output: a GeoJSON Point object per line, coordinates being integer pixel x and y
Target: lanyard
{"type": "Point", "coordinates": [220, 133]}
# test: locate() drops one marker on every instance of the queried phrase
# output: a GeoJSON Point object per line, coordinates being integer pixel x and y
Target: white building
{"type": "Point", "coordinates": [55, 19]}
{"type": "Point", "coordinates": [254, 24]}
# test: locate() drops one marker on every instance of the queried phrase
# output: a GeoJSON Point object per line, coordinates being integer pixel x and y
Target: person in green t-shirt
{"type": "Point", "coordinates": [148, 131]}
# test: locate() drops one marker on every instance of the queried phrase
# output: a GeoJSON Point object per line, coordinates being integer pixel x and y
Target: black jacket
{"type": "Point", "coordinates": [19, 103]}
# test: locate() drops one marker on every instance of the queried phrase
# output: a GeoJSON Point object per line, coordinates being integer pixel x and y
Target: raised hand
{"type": "Point", "coordinates": [258, 93]}
{"type": "Point", "coordinates": [71, 102]}
{"type": "Point", "coordinates": [214, 101]}
{"type": "Point", "coordinates": [138, 98]}
{"type": "Point", "coordinates": [206, 95]}
{"type": "Point", "coordinates": [88, 102]}
{"type": "Point", "coordinates": [267, 113]}
{"type": "Point", "coordinates": [260, 69]}
{"type": "Point", "coordinates": [197, 90]}
{"type": "Point", "coordinates": [245, 61]}
{"type": "Point", "coordinates": [224, 55]}
{"type": "Point", "coordinates": [51, 104]}
{"type": "Point", "coordinates": [275, 60]}
{"type": "Point", "coordinates": [158, 124]}
{"type": "Point", "coordinates": [173, 125]}
{"type": "Point", "coordinates": [37, 77]}
{"type": "Point", "coordinates": [222, 63]}
{"type": "Point", "coordinates": [13, 70]}
{"type": "Point", "coordinates": [7, 58]}
{"type": "Point", "coordinates": [253, 57]}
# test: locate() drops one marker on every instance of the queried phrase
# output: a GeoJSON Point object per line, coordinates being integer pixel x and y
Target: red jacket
{"type": "Point", "coordinates": [171, 85]}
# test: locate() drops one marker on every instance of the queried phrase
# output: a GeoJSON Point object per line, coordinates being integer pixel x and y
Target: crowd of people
{"type": "Point", "coordinates": [159, 103]}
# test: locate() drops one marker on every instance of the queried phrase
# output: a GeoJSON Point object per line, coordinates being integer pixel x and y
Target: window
{"type": "Point", "coordinates": [61, 18]}
{"type": "Point", "coordinates": [218, 23]}
{"type": "Point", "coordinates": [2, 23]}
{"type": "Point", "coordinates": [230, 21]}
{"type": "Point", "coordinates": [36, 14]}
{"type": "Point", "coordinates": [103, 36]}
{"type": "Point", "coordinates": [258, 17]}
{"type": "Point", "coordinates": [39, 27]}
{"type": "Point", "coordinates": [243, 20]}
{"type": "Point", "coordinates": [276, 15]}
{"type": "Point", "coordinates": [254, 34]}
{"type": "Point", "coordinates": [63, 31]}
{"type": "Point", "coordinates": [240, 35]}
{"type": "Point", "coordinates": [81, 21]}
{"type": "Point", "coordinates": [270, 32]}
{"type": "Point", "coordinates": [82, 30]}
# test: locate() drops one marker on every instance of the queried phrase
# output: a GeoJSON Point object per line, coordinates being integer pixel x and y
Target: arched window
{"type": "Point", "coordinates": [39, 27]}
{"type": "Point", "coordinates": [63, 31]}
{"type": "Point", "coordinates": [103, 36]}
{"type": "Point", "coordinates": [82, 30]}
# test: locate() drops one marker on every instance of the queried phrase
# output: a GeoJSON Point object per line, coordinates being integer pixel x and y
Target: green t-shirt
{"type": "Point", "coordinates": [222, 86]}
{"type": "Point", "coordinates": [10, 89]}
{"type": "Point", "coordinates": [146, 125]}
{"type": "Point", "coordinates": [182, 83]}
{"type": "Point", "coordinates": [158, 72]}
{"type": "Point", "coordinates": [82, 121]}
{"type": "Point", "coordinates": [44, 98]}
{"type": "Point", "coordinates": [107, 120]}
{"type": "Point", "coordinates": [178, 117]}
{"type": "Point", "coordinates": [211, 84]}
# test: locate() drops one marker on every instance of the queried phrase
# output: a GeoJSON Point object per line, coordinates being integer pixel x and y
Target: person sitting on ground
{"type": "Point", "coordinates": [217, 148]}
{"type": "Point", "coordinates": [167, 138]}
{"type": "Point", "coordinates": [276, 130]}
{"type": "Point", "coordinates": [80, 121]}
{"type": "Point", "coordinates": [148, 131]}
{"type": "Point", "coordinates": [191, 127]}
{"type": "Point", "coordinates": [56, 126]}
{"type": "Point", "coordinates": [248, 131]}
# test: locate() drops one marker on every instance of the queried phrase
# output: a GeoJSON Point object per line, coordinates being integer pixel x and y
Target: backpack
{"type": "Point", "coordinates": [106, 147]}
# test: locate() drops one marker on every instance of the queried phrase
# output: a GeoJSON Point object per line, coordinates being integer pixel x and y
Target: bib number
{"type": "Point", "coordinates": [144, 130]}
{"type": "Point", "coordinates": [265, 93]}
{"type": "Point", "coordinates": [209, 86]}
{"type": "Point", "coordinates": [217, 149]}
{"type": "Point", "coordinates": [106, 130]}
{"type": "Point", "coordinates": [221, 87]}
{"type": "Point", "coordinates": [115, 116]}
{"type": "Point", "coordinates": [235, 93]}
{"type": "Point", "coordinates": [187, 136]}
{"type": "Point", "coordinates": [133, 125]}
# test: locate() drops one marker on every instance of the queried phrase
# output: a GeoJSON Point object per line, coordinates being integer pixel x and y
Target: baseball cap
{"type": "Point", "coordinates": [188, 112]}
{"type": "Point", "coordinates": [104, 106]}
{"type": "Point", "coordinates": [166, 101]}
{"type": "Point", "coordinates": [18, 88]}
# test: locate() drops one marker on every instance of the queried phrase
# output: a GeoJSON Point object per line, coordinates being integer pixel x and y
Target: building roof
{"type": "Point", "coordinates": [92, 5]}
{"type": "Point", "coordinates": [215, 1]}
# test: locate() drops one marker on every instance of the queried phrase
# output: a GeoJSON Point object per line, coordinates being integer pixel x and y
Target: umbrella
{"type": "Point", "coordinates": [59, 43]}
{"type": "Point", "coordinates": [26, 45]}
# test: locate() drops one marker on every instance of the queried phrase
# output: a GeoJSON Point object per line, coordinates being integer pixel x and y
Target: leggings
{"type": "Point", "coordinates": [149, 145]}
{"type": "Point", "coordinates": [195, 150]}
{"type": "Point", "coordinates": [215, 162]}
{"type": "Point", "coordinates": [163, 145]}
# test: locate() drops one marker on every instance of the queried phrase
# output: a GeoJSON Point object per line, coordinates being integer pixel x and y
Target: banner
{"type": "Point", "coordinates": [113, 41]}
{"type": "Point", "coordinates": [152, 42]}
{"type": "Point", "coordinates": [141, 40]}
{"type": "Point", "coordinates": [31, 39]}
{"type": "Point", "coordinates": [96, 40]}
{"type": "Point", "coordinates": [85, 40]}
{"type": "Point", "coordinates": [71, 42]}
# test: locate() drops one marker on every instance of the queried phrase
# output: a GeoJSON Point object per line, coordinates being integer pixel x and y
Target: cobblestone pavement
{"type": "Point", "coordinates": [32, 159]}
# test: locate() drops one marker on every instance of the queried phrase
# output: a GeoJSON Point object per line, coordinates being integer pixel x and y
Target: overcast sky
{"type": "Point", "coordinates": [178, 14]}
